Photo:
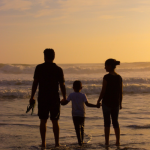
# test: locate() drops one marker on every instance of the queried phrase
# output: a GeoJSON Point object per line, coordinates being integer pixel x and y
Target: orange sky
{"type": "Point", "coordinates": [80, 31]}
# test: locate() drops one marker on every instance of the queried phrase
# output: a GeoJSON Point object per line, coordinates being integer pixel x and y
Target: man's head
{"type": "Point", "coordinates": [77, 86]}
{"type": "Point", "coordinates": [49, 54]}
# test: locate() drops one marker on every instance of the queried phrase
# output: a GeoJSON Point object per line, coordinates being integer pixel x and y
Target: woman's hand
{"type": "Point", "coordinates": [120, 106]}
{"type": "Point", "coordinates": [99, 105]}
{"type": "Point", "coordinates": [98, 101]}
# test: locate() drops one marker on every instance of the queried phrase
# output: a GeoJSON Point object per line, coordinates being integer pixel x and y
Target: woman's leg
{"type": "Point", "coordinates": [107, 122]}
{"type": "Point", "coordinates": [107, 132]}
{"type": "Point", "coordinates": [114, 116]}
{"type": "Point", "coordinates": [117, 133]}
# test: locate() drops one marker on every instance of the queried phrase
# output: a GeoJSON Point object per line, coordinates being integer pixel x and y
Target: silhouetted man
{"type": "Point", "coordinates": [48, 76]}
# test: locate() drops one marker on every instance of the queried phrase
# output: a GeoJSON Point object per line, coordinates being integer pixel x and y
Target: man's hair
{"type": "Point", "coordinates": [77, 85]}
{"type": "Point", "coordinates": [49, 54]}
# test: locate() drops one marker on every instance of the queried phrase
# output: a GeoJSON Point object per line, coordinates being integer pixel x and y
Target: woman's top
{"type": "Point", "coordinates": [113, 90]}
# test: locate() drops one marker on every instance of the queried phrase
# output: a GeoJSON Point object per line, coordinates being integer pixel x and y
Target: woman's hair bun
{"type": "Point", "coordinates": [117, 62]}
{"type": "Point", "coordinates": [112, 62]}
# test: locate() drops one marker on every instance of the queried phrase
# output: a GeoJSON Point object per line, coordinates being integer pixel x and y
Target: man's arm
{"type": "Point", "coordinates": [63, 90]}
{"type": "Point", "coordinates": [103, 91]}
{"type": "Point", "coordinates": [34, 88]}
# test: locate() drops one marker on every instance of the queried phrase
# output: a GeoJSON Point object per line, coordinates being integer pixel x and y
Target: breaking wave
{"type": "Point", "coordinates": [126, 82]}
{"type": "Point", "coordinates": [139, 127]}
{"type": "Point", "coordinates": [74, 68]}
{"type": "Point", "coordinates": [89, 89]}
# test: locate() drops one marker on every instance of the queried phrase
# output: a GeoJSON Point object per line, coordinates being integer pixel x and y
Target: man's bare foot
{"type": "Point", "coordinates": [117, 143]}
{"type": "Point", "coordinates": [57, 145]}
{"type": "Point", "coordinates": [107, 144]}
{"type": "Point", "coordinates": [43, 145]}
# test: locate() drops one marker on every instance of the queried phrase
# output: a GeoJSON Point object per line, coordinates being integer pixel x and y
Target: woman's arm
{"type": "Point", "coordinates": [102, 91]}
{"type": "Point", "coordinates": [121, 95]}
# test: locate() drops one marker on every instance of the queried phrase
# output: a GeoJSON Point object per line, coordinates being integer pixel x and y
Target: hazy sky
{"type": "Point", "coordinates": [80, 31]}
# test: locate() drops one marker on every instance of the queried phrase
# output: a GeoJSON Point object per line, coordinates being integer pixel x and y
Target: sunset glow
{"type": "Point", "coordinates": [79, 31]}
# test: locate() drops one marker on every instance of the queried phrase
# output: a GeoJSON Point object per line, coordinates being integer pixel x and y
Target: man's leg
{"type": "Point", "coordinates": [56, 131]}
{"type": "Point", "coordinates": [43, 131]}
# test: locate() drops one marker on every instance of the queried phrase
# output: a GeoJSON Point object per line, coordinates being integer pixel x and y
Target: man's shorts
{"type": "Point", "coordinates": [45, 109]}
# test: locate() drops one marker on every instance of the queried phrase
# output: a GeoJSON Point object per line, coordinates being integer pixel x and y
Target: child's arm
{"type": "Point", "coordinates": [92, 105]}
{"type": "Point", "coordinates": [64, 102]}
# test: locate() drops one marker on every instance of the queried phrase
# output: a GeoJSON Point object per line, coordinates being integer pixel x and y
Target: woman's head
{"type": "Point", "coordinates": [110, 64]}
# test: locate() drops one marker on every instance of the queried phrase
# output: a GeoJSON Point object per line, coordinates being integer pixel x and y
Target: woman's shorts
{"type": "Point", "coordinates": [110, 112]}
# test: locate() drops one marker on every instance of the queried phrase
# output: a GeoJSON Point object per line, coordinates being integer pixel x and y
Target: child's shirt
{"type": "Point", "coordinates": [78, 103]}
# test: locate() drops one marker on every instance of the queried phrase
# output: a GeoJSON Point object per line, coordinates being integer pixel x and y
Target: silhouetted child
{"type": "Point", "coordinates": [79, 101]}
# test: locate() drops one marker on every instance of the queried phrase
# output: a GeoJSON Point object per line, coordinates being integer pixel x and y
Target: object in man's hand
{"type": "Point", "coordinates": [31, 106]}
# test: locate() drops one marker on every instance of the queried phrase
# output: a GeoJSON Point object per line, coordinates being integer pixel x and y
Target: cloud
{"type": "Point", "coordinates": [81, 8]}
{"type": "Point", "coordinates": [20, 5]}
{"type": "Point", "coordinates": [109, 17]}
{"type": "Point", "coordinates": [71, 10]}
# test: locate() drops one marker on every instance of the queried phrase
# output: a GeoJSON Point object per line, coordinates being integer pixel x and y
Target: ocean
{"type": "Point", "coordinates": [19, 130]}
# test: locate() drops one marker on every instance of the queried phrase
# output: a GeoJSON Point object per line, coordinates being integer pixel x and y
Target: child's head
{"type": "Point", "coordinates": [77, 86]}
{"type": "Point", "coordinates": [110, 64]}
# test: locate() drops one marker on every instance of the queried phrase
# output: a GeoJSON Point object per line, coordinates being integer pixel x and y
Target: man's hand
{"type": "Point", "coordinates": [64, 102]}
{"type": "Point", "coordinates": [32, 101]}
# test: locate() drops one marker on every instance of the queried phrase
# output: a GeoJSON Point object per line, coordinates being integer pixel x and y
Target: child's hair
{"type": "Point", "coordinates": [77, 85]}
{"type": "Point", "coordinates": [112, 62]}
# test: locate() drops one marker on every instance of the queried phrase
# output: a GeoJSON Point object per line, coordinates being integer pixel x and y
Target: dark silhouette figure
{"type": "Point", "coordinates": [48, 76]}
{"type": "Point", "coordinates": [111, 96]}
{"type": "Point", "coordinates": [79, 101]}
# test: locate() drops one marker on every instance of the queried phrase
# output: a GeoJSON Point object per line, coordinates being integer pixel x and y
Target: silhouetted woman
{"type": "Point", "coordinates": [111, 96]}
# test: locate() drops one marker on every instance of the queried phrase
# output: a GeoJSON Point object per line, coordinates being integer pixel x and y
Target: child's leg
{"type": "Point", "coordinates": [76, 121]}
{"type": "Point", "coordinates": [82, 128]}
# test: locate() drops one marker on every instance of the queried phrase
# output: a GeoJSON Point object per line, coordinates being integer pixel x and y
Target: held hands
{"type": "Point", "coordinates": [98, 105]}
{"type": "Point", "coordinates": [62, 101]}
